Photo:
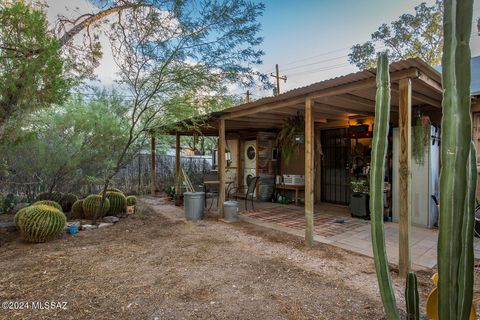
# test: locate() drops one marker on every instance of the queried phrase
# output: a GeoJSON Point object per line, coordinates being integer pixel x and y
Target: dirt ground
{"type": "Point", "coordinates": [158, 266]}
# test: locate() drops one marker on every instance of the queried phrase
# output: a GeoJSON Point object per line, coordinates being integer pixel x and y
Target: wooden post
{"type": "Point", "coordinates": [221, 166]}
{"type": "Point", "coordinates": [178, 180]}
{"type": "Point", "coordinates": [153, 165]}
{"type": "Point", "coordinates": [318, 166]}
{"type": "Point", "coordinates": [405, 137]}
{"type": "Point", "coordinates": [309, 175]}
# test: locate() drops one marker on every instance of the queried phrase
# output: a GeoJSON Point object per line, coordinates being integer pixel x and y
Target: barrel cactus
{"type": "Point", "coordinates": [53, 196]}
{"type": "Point", "coordinates": [114, 190]}
{"type": "Point", "coordinates": [77, 210]}
{"type": "Point", "coordinates": [118, 203]}
{"type": "Point", "coordinates": [18, 216]}
{"type": "Point", "coordinates": [40, 223]}
{"type": "Point", "coordinates": [50, 203]}
{"type": "Point", "coordinates": [67, 201]}
{"type": "Point", "coordinates": [92, 207]}
{"type": "Point", "coordinates": [131, 200]}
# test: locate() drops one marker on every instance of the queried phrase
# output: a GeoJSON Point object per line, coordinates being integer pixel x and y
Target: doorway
{"type": "Point", "coordinates": [335, 184]}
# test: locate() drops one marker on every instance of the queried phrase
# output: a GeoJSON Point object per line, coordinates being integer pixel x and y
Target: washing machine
{"type": "Point", "coordinates": [250, 154]}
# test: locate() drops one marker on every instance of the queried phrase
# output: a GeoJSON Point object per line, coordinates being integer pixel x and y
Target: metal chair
{"type": "Point", "coordinates": [245, 192]}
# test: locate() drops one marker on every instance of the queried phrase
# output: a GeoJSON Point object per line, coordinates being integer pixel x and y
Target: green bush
{"type": "Point", "coordinates": [50, 203]}
{"type": "Point", "coordinates": [131, 200]}
{"type": "Point", "coordinates": [92, 204]}
{"type": "Point", "coordinates": [118, 203]}
{"type": "Point", "coordinates": [40, 223]}
{"type": "Point", "coordinates": [77, 210]}
{"type": "Point", "coordinates": [8, 203]}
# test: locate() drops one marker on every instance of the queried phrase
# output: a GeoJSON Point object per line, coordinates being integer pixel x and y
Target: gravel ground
{"type": "Point", "coordinates": [158, 266]}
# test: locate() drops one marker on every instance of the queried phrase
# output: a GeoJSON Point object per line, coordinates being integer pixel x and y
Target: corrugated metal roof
{"type": "Point", "coordinates": [342, 80]}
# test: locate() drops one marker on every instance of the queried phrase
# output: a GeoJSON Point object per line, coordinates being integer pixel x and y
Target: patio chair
{"type": "Point", "coordinates": [212, 189]}
{"type": "Point", "coordinates": [245, 192]}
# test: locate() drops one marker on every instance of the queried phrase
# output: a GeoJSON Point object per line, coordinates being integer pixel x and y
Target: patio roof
{"type": "Point", "coordinates": [335, 101]}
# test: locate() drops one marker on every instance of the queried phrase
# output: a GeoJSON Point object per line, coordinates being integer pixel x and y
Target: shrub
{"type": "Point", "coordinates": [40, 223]}
{"type": "Point", "coordinates": [77, 210]}
{"type": "Point", "coordinates": [92, 204]}
{"type": "Point", "coordinates": [50, 203]}
{"type": "Point", "coordinates": [118, 203]}
{"type": "Point", "coordinates": [8, 203]}
{"type": "Point", "coordinates": [131, 200]}
{"type": "Point", "coordinates": [67, 201]}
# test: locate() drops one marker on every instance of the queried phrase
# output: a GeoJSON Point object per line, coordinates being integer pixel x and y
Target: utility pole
{"type": "Point", "coordinates": [278, 77]}
{"type": "Point", "coordinates": [249, 94]}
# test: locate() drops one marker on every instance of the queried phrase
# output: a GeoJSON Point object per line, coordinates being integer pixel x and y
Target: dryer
{"type": "Point", "coordinates": [250, 154]}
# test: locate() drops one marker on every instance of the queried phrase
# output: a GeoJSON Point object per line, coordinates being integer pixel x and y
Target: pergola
{"type": "Point", "coordinates": [331, 104]}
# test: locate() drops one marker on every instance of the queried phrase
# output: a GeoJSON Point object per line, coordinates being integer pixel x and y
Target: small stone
{"type": "Point", "coordinates": [87, 227]}
{"type": "Point", "coordinates": [105, 224]}
{"type": "Point", "coordinates": [73, 223]}
{"type": "Point", "coordinates": [111, 219]}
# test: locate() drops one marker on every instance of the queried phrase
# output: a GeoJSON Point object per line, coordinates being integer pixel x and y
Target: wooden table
{"type": "Point", "coordinates": [295, 188]}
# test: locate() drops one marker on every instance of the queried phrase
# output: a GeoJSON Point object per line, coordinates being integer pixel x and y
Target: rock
{"type": "Point", "coordinates": [87, 227]}
{"type": "Point", "coordinates": [105, 224]}
{"type": "Point", "coordinates": [83, 222]}
{"type": "Point", "coordinates": [111, 219]}
{"type": "Point", "coordinates": [7, 227]}
{"type": "Point", "coordinates": [74, 223]}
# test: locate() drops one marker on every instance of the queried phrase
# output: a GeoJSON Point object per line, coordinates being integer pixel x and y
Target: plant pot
{"type": "Point", "coordinates": [359, 205]}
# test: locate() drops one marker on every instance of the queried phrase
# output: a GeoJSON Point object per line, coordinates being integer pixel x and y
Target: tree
{"type": "Point", "coordinates": [410, 36]}
{"type": "Point", "coordinates": [179, 48]}
{"type": "Point", "coordinates": [31, 69]}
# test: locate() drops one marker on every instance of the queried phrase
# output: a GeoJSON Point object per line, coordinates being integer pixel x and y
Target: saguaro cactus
{"type": "Point", "coordinates": [377, 176]}
{"type": "Point", "coordinates": [458, 175]}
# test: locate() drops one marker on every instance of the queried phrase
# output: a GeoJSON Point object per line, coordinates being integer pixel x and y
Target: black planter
{"type": "Point", "coordinates": [359, 205]}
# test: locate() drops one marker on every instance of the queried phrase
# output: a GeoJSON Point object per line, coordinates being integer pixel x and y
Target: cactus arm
{"type": "Point", "coordinates": [456, 137]}
{"type": "Point", "coordinates": [377, 175]}
{"type": "Point", "coordinates": [465, 282]}
{"type": "Point", "coordinates": [411, 297]}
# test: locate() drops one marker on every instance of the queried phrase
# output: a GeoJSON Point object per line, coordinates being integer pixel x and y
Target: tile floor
{"type": "Point", "coordinates": [352, 235]}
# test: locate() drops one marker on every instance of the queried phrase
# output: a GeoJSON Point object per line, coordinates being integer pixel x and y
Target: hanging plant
{"type": "Point", "coordinates": [291, 132]}
{"type": "Point", "coordinates": [421, 138]}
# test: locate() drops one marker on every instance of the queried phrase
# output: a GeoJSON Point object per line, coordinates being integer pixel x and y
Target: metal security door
{"type": "Point", "coordinates": [335, 178]}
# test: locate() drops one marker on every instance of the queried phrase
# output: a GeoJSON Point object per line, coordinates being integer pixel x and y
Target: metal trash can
{"type": "Point", "coordinates": [194, 203]}
{"type": "Point", "coordinates": [230, 210]}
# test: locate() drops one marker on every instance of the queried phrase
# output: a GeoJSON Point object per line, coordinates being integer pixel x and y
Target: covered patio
{"type": "Point", "coordinates": [329, 104]}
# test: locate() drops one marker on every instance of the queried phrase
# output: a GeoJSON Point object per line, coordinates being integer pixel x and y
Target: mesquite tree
{"type": "Point", "coordinates": [180, 48]}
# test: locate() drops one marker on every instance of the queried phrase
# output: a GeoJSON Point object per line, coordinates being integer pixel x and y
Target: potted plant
{"type": "Point", "coordinates": [170, 192]}
{"type": "Point", "coordinates": [359, 198]}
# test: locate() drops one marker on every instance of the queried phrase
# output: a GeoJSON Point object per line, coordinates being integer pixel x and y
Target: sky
{"type": "Point", "coordinates": [309, 39]}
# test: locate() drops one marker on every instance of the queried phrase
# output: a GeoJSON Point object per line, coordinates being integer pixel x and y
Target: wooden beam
{"type": "Point", "coordinates": [153, 187]}
{"type": "Point", "coordinates": [319, 107]}
{"type": "Point", "coordinates": [221, 166]}
{"type": "Point", "coordinates": [178, 180]}
{"type": "Point", "coordinates": [419, 97]}
{"type": "Point", "coordinates": [430, 82]}
{"type": "Point", "coordinates": [309, 173]}
{"type": "Point", "coordinates": [332, 91]}
{"type": "Point", "coordinates": [405, 181]}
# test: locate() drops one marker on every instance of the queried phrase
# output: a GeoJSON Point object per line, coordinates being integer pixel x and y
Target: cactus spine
{"type": "Point", "coordinates": [458, 175]}
{"type": "Point", "coordinates": [131, 200]}
{"type": "Point", "coordinates": [77, 210]}
{"type": "Point", "coordinates": [377, 176]}
{"type": "Point", "coordinates": [411, 297]}
{"type": "Point", "coordinates": [92, 204]}
{"type": "Point", "coordinates": [50, 203]}
{"type": "Point", "coordinates": [40, 223]}
{"type": "Point", "coordinates": [118, 203]}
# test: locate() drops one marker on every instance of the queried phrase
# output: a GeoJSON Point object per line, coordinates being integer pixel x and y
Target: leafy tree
{"type": "Point", "coordinates": [31, 68]}
{"type": "Point", "coordinates": [66, 147]}
{"type": "Point", "coordinates": [410, 36]}
{"type": "Point", "coordinates": [179, 49]}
